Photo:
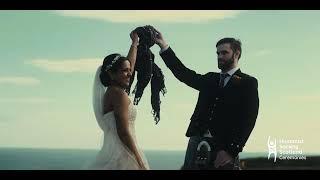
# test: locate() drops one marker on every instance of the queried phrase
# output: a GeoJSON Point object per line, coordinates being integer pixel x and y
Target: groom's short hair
{"type": "Point", "coordinates": [235, 44]}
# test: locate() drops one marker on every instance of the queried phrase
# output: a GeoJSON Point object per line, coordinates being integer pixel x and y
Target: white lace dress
{"type": "Point", "coordinates": [114, 155]}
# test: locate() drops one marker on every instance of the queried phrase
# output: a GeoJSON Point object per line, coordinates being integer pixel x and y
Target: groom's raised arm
{"type": "Point", "coordinates": [182, 73]}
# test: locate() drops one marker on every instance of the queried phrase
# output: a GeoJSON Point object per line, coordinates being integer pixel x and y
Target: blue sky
{"type": "Point", "coordinates": [48, 61]}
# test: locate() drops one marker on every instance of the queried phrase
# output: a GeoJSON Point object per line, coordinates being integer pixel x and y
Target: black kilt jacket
{"type": "Point", "coordinates": [229, 113]}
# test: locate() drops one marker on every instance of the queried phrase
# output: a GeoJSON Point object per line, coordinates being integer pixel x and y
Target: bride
{"type": "Point", "coordinates": [115, 113]}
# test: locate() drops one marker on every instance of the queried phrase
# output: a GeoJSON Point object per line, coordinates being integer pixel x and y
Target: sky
{"type": "Point", "coordinates": [49, 58]}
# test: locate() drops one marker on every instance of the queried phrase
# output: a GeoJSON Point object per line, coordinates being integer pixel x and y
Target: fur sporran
{"type": "Point", "coordinates": [205, 153]}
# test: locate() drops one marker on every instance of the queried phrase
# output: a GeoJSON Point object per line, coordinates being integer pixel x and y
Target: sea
{"type": "Point", "coordinates": [78, 159]}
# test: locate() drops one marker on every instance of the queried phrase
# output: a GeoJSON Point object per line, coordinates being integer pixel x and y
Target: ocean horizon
{"type": "Point", "coordinates": [78, 159]}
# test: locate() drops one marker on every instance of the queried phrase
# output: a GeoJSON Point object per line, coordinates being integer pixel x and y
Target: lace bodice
{"type": "Point", "coordinates": [110, 121]}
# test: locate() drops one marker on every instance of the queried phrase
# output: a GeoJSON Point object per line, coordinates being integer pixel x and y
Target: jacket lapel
{"type": "Point", "coordinates": [232, 79]}
{"type": "Point", "coordinates": [216, 79]}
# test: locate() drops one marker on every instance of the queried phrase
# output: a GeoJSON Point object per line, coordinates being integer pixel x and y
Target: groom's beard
{"type": "Point", "coordinates": [225, 65]}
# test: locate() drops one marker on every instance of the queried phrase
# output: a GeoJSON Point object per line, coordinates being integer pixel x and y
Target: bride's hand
{"type": "Point", "coordinates": [134, 37]}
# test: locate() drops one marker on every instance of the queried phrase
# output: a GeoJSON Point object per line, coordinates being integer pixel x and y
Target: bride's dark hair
{"type": "Point", "coordinates": [112, 63]}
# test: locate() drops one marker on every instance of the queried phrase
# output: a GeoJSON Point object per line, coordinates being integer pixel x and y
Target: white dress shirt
{"type": "Point", "coordinates": [230, 72]}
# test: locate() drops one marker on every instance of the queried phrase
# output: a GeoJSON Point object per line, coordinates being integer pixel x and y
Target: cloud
{"type": "Point", "coordinates": [140, 16]}
{"type": "Point", "coordinates": [305, 98]}
{"type": "Point", "coordinates": [19, 80]}
{"type": "Point", "coordinates": [28, 100]}
{"type": "Point", "coordinates": [66, 65]}
{"type": "Point", "coordinates": [262, 52]}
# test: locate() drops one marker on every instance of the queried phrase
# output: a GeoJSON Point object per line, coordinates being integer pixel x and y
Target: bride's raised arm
{"type": "Point", "coordinates": [132, 54]}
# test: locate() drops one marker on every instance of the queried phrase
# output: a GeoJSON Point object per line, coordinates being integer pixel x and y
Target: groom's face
{"type": "Point", "coordinates": [225, 56]}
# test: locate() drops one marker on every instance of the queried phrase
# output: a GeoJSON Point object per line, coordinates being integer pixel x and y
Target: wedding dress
{"type": "Point", "coordinates": [114, 155]}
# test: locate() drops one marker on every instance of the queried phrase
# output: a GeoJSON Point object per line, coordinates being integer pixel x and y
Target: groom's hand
{"type": "Point", "coordinates": [159, 40]}
{"type": "Point", "coordinates": [222, 159]}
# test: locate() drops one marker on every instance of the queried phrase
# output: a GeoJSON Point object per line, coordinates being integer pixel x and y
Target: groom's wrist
{"type": "Point", "coordinates": [163, 45]}
{"type": "Point", "coordinates": [233, 149]}
{"type": "Point", "coordinates": [163, 48]}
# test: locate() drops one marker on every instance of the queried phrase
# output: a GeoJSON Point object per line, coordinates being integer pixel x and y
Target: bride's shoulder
{"type": "Point", "coordinates": [116, 93]}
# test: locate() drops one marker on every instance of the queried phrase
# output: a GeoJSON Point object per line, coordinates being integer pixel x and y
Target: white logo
{"type": "Point", "coordinates": [285, 149]}
{"type": "Point", "coordinates": [272, 146]}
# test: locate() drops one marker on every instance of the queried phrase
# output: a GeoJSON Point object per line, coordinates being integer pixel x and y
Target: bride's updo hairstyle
{"type": "Point", "coordinates": [110, 63]}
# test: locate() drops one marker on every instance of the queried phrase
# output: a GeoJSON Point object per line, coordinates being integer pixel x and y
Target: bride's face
{"type": "Point", "coordinates": [123, 74]}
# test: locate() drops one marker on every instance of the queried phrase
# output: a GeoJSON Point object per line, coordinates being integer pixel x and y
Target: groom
{"type": "Point", "coordinates": [227, 106]}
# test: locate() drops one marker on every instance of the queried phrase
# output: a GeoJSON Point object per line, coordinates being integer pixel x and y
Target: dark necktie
{"type": "Point", "coordinates": [222, 78]}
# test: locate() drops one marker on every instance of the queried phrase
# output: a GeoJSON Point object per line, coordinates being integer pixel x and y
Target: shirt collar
{"type": "Point", "coordinates": [231, 71]}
